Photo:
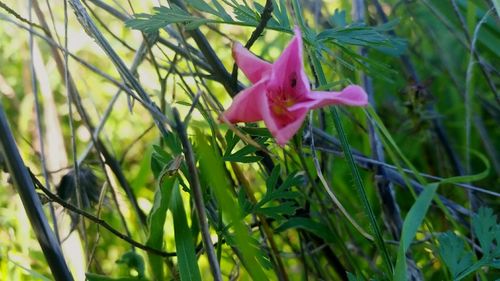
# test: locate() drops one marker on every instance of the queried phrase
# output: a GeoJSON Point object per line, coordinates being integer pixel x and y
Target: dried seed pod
{"type": "Point", "coordinates": [88, 188]}
{"type": "Point", "coordinates": [88, 191]}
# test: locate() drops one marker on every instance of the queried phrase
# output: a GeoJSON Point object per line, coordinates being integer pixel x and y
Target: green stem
{"type": "Point", "coordinates": [356, 175]}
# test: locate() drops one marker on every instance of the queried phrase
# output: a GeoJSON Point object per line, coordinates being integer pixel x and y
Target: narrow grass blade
{"type": "Point", "coordinates": [186, 255]}
{"type": "Point", "coordinates": [156, 221]}
{"type": "Point", "coordinates": [412, 222]}
{"type": "Point", "coordinates": [358, 182]}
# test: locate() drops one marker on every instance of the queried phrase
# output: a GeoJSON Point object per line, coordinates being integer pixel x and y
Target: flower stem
{"type": "Point", "coordinates": [355, 173]}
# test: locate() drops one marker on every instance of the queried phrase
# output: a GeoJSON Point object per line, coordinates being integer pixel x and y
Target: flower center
{"type": "Point", "coordinates": [280, 101]}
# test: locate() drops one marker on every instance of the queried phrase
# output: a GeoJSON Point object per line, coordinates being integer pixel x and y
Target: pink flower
{"type": "Point", "coordinates": [280, 94]}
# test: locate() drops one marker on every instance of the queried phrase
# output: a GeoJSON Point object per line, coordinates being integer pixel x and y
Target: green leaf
{"type": "Point", "coordinates": [164, 16]}
{"type": "Point", "coordinates": [358, 182]}
{"type": "Point", "coordinates": [352, 277]}
{"type": "Point", "coordinates": [257, 132]}
{"type": "Point", "coordinates": [184, 242]}
{"type": "Point", "coordinates": [246, 14]}
{"type": "Point", "coordinates": [156, 219]}
{"type": "Point", "coordinates": [279, 12]}
{"type": "Point", "coordinates": [212, 171]}
{"type": "Point", "coordinates": [241, 155]}
{"type": "Point", "coordinates": [309, 225]}
{"type": "Point", "coordinates": [338, 19]}
{"type": "Point", "coordinates": [411, 224]}
{"type": "Point", "coordinates": [368, 36]}
{"type": "Point", "coordinates": [201, 5]}
{"type": "Point", "coordinates": [278, 212]}
{"type": "Point", "coordinates": [285, 208]}
{"type": "Point", "coordinates": [487, 231]}
{"type": "Point", "coordinates": [222, 11]}
{"type": "Point", "coordinates": [98, 277]}
{"type": "Point", "coordinates": [133, 261]}
{"type": "Point", "coordinates": [159, 158]}
{"type": "Point", "coordinates": [496, 3]}
{"type": "Point", "coordinates": [272, 180]}
{"type": "Point", "coordinates": [452, 250]}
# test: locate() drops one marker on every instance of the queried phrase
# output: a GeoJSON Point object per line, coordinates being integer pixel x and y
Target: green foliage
{"type": "Point", "coordinates": [156, 220]}
{"type": "Point", "coordinates": [244, 15]}
{"type": "Point", "coordinates": [454, 254]}
{"type": "Point", "coordinates": [461, 261]}
{"type": "Point", "coordinates": [97, 277]}
{"type": "Point", "coordinates": [184, 242]}
{"type": "Point", "coordinates": [134, 262]}
{"type": "Point", "coordinates": [286, 206]}
{"type": "Point", "coordinates": [212, 170]}
{"type": "Point", "coordinates": [361, 35]}
{"type": "Point", "coordinates": [241, 155]}
{"type": "Point", "coordinates": [163, 17]}
{"type": "Point", "coordinates": [309, 225]}
{"type": "Point", "coordinates": [411, 224]}
{"type": "Point", "coordinates": [434, 116]}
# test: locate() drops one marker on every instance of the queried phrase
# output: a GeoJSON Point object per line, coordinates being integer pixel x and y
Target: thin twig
{"type": "Point", "coordinates": [213, 60]}
{"type": "Point", "coordinates": [265, 16]}
{"type": "Point", "coordinates": [385, 189]}
{"type": "Point", "coordinates": [329, 190]}
{"type": "Point", "coordinates": [49, 40]}
{"type": "Point", "coordinates": [334, 147]}
{"type": "Point", "coordinates": [109, 159]}
{"type": "Point", "coordinates": [472, 48]}
{"type": "Point", "coordinates": [19, 17]}
{"type": "Point", "coordinates": [89, 26]}
{"type": "Point", "coordinates": [51, 196]}
{"type": "Point", "coordinates": [39, 124]}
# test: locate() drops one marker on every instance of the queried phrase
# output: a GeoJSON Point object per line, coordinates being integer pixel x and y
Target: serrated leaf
{"type": "Point", "coordinates": [245, 14]}
{"type": "Point", "coordinates": [361, 35]}
{"type": "Point", "coordinates": [196, 23]}
{"type": "Point", "coordinates": [281, 193]}
{"type": "Point", "coordinates": [164, 16]}
{"type": "Point", "coordinates": [202, 6]}
{"type": "Point", "coordinates": [485, 227]}
{"type": "Point", "coordinates": [245, 205]}
{"type": "Point", "coordinates": [243, 159]}
{"type": "Point", "coordinates": [452, 250]}
{"type": "Point", "coordinates": [221, 11]}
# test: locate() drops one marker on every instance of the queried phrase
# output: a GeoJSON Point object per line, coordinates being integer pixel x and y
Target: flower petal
{"type": "Point", "coordinates": [253, 67]}
{"type": "Point", "coordinates": [282, 130]}
{"type": "Point", "coordinates": [288, 71]}
{"type": "Point", "coordinates": [246, 106]}
{"type": "Point", "coordinates": [352, 95]}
